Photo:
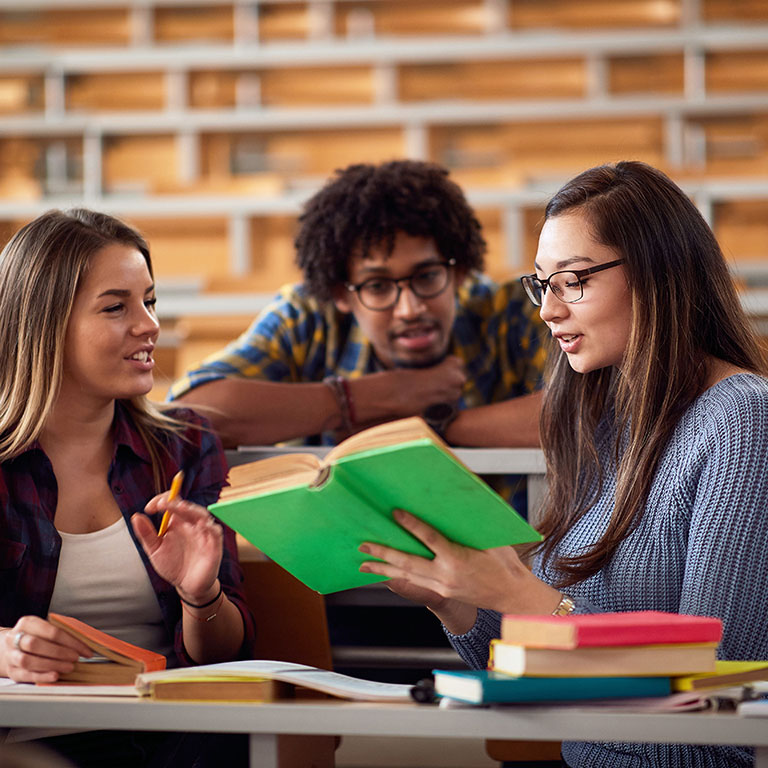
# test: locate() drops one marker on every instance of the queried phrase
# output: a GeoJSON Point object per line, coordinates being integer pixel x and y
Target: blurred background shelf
{"type": "Point", "coordinates": [208, 123]}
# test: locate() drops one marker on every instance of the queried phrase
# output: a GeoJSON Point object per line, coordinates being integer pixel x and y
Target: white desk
{"type": "Point", "coordinates": [266, 721]}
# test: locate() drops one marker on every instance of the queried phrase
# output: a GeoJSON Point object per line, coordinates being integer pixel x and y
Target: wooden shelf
{"type": "Point", "coordinates": [208, 123]}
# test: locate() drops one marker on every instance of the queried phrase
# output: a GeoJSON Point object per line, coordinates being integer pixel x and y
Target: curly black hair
{"type": "Point", "coordinates": [364, 206]}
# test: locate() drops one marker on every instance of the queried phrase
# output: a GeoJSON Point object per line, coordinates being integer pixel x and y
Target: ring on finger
{"type": "Point", "coordinates": [17, 639]}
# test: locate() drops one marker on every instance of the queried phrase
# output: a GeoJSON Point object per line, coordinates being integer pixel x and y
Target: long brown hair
{"type": "Point", "coordinates": [41, 268]}
{"type": "Point", "coordinates": [684, 309]}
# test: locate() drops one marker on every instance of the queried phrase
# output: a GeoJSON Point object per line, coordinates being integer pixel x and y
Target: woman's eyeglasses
{"type": "Point", "coordinates": [566, 285]}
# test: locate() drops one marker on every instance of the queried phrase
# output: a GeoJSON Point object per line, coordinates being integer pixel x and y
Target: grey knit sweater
{"type": "Point", "coordinates": [701, 548]}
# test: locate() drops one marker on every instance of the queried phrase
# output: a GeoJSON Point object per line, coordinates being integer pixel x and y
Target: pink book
{"type": "Point", "coordinates": [607, 629]}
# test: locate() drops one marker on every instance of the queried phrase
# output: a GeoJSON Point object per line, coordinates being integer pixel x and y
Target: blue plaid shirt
{"type": "Point", "coordinates": [497, 334]}
{"type": "Point", "coordinates": [30, 544]}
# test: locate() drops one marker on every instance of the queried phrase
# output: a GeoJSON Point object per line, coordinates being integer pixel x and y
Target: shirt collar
{"type": "Point", "coordinates": [126, 434]}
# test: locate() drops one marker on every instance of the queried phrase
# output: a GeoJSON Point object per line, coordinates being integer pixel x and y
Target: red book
{"type": "Point", "coordinates": [608, 629]}
{"type": "Point", "coordinates": [115, 662]}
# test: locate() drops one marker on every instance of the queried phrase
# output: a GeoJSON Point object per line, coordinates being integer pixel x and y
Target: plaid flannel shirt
{"type": "Point", "coordinates": [30, 544]}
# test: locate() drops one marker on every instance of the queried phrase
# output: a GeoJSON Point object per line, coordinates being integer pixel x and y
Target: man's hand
{"type": "Point", "coordinates": [401, 392]}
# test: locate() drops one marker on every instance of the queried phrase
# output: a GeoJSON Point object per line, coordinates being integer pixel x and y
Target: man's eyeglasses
{"type": "Point", "coordinates": [568, 286]}
{"type": "Point", "coordinates": [381, 293]}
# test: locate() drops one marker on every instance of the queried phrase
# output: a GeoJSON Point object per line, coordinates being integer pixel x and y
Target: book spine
{"type": "Point", "coordinates": [576, 636]}
{"type": "Point", "coordinates": [601, 636]}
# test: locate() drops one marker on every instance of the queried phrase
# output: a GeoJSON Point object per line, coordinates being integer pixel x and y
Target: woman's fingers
{"type": "Point", "coordinates": [37, 651]}
{"type": "Point", "coordinates": [181, 509]}
{"type": "Point", "coordinates": [181, 512]}
{"type": "Point", "coordinates": [192, 513]}
{"type": "Point", "coordinates": [433, 540]}
{"type": "Point", "coordinates": [42, 638]}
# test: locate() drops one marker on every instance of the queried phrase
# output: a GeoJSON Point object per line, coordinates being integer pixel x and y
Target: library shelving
{"type": "Point", "coordinates": [208, 123]}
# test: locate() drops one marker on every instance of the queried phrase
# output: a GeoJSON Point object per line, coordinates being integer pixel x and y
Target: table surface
{"type": "Point", "coordinates": [369, 719]}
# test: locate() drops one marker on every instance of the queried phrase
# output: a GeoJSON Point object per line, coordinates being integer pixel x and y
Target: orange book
{"type": "Point", "coordinates": [115, 663]}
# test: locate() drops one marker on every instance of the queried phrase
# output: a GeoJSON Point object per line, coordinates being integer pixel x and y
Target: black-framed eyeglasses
{"type": "Point", "coordinates": [381, 293]}
{"type": "Point", "coordinates": [568, 285]}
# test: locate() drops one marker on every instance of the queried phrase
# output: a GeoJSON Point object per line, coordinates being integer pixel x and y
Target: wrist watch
{"type": "Point", "coordinates": [439, 416]}
{"type": "Point", "coordinates": [565, 606]}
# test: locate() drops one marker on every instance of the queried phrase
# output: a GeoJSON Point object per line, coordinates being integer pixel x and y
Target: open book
{"type": "Point", "coordinates": [115, 662]}
{"type": "Point", "coordinates": [310, 515]}
{"type": "Point", "coordinates": [252, 680]}
{"type": "Point", "coordinates": [243, 680]}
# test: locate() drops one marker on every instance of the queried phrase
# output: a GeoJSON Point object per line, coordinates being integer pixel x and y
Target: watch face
{"type": "Point", "coordinates": [439, 412]}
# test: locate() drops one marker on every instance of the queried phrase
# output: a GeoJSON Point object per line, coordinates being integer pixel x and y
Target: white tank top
{"type": "Point", "coordinates": [102, 581]}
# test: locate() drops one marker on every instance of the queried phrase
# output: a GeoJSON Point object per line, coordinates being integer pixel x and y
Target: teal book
{"type": "Point", "coordinates": [482, 686]}
{"type": "Point", "coordinates": [310, 515]}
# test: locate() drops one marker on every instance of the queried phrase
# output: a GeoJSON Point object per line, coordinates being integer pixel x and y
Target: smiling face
{"type": "Point", "coordinates": [415, 332]}
{"type": "Point", "coordinates": [112, 329]}
{"type": "Point", "coordinates": [594, 331]}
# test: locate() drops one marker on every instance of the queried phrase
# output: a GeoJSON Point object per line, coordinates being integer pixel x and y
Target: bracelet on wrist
{"type": "Point", "coordinates": [203, 605]}
{"type": "Point", "coordinates": [205, 619]}
{"type": "Point", "coordinates": [565, 606]}
{"type": "Point", "coordinates": [339, 387]}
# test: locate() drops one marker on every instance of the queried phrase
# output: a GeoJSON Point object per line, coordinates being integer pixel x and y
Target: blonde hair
{"type": "Point", "coordinates": [41, 269]}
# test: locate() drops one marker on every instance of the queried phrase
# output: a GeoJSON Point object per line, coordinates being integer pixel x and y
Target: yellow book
{"type": "Point", "coordinates": [218, 688]}
{"type": "Point", "coordinates": [726, 674]}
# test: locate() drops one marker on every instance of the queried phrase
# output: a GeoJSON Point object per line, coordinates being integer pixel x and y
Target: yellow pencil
{"type": "Point", "coordinates": [178, 479]}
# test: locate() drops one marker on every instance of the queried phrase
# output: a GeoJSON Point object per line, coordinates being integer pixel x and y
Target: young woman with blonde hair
{"type": "Point", "coordinates": [654, 429]}
{"type": "Point", "coordinates": [83, 455]}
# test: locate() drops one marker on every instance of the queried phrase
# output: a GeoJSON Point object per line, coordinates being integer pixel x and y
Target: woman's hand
{"type": "Point", "coordinates": [34, 651]}
{"type": "Point", "coordinates": [493, 578]}
{"type": "Point", "coordinates": [189, 554]}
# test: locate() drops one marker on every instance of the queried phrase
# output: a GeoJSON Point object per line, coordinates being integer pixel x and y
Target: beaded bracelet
{"type": "Point", "coordinates": [350, 401]}
{"type": "Point", "coordinates": [339, 386]}
{"type": "Point", "coordinates": [203, 605]}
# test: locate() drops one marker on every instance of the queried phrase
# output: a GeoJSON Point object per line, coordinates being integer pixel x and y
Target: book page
{"type": "Point", "coordinates": [271, 474]}
{"type": "Point", "coordinates": [382, 435]}
{"type": "Point", "coordinates": [8, 687]}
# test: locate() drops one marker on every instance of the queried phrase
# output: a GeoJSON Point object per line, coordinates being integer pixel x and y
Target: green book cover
{"type": "Point", "coordinates": [314, 532]}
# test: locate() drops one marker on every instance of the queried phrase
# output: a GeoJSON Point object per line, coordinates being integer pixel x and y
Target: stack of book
{"type": "Point", "coordinates": [590, 656]}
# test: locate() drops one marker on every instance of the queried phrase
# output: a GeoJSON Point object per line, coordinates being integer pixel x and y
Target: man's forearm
{"type": "Point", "coordinates": [255, 412]}
{"type": "Point", "coordinates": [511, 423]}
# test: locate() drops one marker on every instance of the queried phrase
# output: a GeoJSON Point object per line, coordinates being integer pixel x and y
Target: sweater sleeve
{"type": "Point", "coordinates": [726, 567]}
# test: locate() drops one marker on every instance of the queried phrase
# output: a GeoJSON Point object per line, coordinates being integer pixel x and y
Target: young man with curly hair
{"type": "Point", "coordinates": [393, 319]}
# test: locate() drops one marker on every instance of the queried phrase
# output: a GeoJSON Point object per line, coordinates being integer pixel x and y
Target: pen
{"type": "Point", "coordinates": [178, 478]}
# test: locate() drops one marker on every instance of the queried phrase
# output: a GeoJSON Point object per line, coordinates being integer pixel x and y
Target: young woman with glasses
{"type": "Point", "coordinates": [654, 429]}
